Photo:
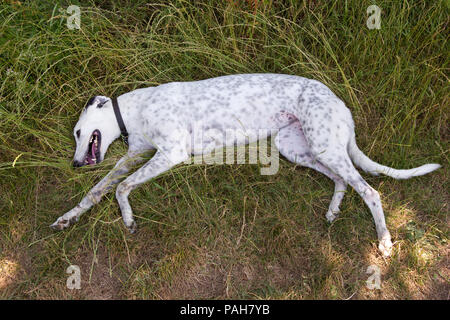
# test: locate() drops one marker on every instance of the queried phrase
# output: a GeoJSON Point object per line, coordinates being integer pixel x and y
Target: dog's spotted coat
{"type": "Point", "coordinates": [315, 129]}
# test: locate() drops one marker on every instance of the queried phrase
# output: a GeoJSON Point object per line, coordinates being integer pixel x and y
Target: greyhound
{"type": "Point", "coordinates": [314, 129]}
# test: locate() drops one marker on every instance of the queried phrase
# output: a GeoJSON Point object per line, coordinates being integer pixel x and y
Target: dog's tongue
{"type": "Point", "coordinates": [91, 159]}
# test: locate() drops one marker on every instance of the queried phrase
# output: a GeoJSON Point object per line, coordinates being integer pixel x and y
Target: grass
{"type": "Point", "coordinates": [210, 231]}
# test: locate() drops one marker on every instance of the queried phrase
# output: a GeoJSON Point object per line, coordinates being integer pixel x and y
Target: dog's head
{"type": "Point", "coordinates": [95, 130]}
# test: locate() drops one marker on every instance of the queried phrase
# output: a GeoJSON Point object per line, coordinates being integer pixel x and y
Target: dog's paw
{"type": "Point", "coordinates": [330, 216]}
{"type": "Point", "coordinates": [132, 226]}
{"type": "Point", "coordinates": [62, 223]}
{"type": "Point", "coordinates": [385, 247]}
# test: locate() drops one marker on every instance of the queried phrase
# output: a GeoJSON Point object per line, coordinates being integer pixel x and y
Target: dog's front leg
{"type": "Point", "coordinates": [94, 196]}
{"type": "Point", "coordinates": [160, 163]}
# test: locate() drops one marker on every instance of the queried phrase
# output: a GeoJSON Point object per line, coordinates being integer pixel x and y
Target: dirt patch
{"type": "Point", "coordinates": [13, 269]}
{"type": "Point", "coordinates": [205, 279]}
{"type": "Point", "coordinates": [9, 270]}
{"type": "Point", "coordinates": [439, 286]}
{"type": "Point", "coordinates": [99, 280]}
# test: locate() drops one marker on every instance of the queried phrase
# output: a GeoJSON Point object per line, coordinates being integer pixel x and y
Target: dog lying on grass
{"type": "Point", "coordinates": [314, 129]}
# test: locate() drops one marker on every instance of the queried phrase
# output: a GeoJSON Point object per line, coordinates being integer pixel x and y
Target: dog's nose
{"type": "Point", "coordinates": [77, 164]}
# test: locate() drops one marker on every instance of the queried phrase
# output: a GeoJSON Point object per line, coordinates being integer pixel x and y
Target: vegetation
{"type": "Point", "coordinates": [209, 231]}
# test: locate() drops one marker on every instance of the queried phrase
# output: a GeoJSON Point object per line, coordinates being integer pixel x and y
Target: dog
{"type": "Point", "coordinates": [314, 129]}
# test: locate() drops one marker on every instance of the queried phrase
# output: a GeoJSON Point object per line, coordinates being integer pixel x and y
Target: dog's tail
{"type": "Point", "coordinates": [362, 161]}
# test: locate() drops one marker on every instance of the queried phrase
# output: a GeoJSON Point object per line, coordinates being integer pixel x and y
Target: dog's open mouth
{"type": "Point", "coordinates": [93, 152]}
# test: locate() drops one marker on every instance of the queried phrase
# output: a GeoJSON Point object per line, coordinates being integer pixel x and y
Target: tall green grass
{"type": "Point", "coordinates": [222, 231]}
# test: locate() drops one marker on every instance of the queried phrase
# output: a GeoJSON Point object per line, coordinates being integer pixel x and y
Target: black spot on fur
{"type": "Point", "coordinates": [101, 104]}
{"type": "Point", "coordinates": [90, 101]}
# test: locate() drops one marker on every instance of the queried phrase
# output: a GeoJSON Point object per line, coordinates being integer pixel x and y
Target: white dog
{"type": "Point", "coordinates": [315, 129]}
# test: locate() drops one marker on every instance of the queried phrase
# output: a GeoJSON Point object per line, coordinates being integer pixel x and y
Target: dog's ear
{"type": "Point", "coordinates": [97, 101]}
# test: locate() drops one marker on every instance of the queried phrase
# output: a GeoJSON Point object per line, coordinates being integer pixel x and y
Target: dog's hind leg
{"type": "Point", "coordinates": [371, 197]}
{"type": "Point", "coordinates": [292, 144]}
{"type": "Point", "coordinates": [162, 161]}
{"type": "Point", "coordinates": [328, 136]}
{"type": "Point", "coordinates": [94, 196]}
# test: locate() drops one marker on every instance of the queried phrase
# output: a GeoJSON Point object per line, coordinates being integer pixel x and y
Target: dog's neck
{"type": "Point", "coordinates": [118, 114]}
{"type": "Point", "coordinates": [127, 113]}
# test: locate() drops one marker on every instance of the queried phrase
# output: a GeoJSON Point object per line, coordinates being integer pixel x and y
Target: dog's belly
{"type": "Point", "coordinates": [206, 136]}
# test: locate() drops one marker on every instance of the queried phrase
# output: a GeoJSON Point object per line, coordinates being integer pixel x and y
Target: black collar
{"type": "Point", "coordinates": [119, 119]}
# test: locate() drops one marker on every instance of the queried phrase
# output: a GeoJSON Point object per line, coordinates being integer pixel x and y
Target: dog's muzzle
{"type": "Point", "coordinates": [93, 151]}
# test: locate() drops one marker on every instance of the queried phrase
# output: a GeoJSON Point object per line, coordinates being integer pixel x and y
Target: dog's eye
{"type": "Point", "coordinates": [78, 133]}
